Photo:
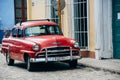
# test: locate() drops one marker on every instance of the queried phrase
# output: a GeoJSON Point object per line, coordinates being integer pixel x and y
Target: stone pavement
{"type": "Point", "coordinates": [112, 65]}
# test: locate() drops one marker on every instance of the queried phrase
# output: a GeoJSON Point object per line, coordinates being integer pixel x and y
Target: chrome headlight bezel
{"type": "Point", "coordinates": [76, 45]}
{"type": "Point", "coordinates": [36, 47]}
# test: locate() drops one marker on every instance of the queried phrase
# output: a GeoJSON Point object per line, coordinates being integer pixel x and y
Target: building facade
{"type": "Point", "coordinates": [95, 24]}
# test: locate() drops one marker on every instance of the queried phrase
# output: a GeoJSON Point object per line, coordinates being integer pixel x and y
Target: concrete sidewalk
{"type": "Point", "coordinates": [112, 65]}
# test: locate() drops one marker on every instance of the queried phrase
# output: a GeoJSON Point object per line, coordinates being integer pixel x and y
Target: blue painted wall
{"type": "Point", "coordinates": [6, 15]}
{"type": "Point", "coordinates": [1, 35]}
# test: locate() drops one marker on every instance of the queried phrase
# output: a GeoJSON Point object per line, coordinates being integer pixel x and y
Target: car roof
{"type": "Point", "coordinates": [24, 25]}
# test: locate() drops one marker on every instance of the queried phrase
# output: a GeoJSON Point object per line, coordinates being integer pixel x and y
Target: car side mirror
{"type": "Point", "coordinates": [7, 34]}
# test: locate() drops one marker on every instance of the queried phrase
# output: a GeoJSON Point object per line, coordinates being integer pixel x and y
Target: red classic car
{"type": "Point", "coordinates": [39, 41]}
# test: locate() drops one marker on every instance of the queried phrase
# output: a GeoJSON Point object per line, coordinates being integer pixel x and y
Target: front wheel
{"type": "Point", "coordinates": [9, 61]}
{"type": "Point", "coordinates": [73, 63]}
{"type": "Point", "coordinates": [29, 64]}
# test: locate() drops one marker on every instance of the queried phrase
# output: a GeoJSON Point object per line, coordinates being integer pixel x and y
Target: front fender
{"type": "Point", "coordinates": [30, 53]}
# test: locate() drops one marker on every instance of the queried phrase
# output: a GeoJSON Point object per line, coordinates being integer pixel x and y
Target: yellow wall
{"type": "Point", "coordinates": [65, 21]}
{"type": "Point", "coordinates": [38, 12]}
{"type": "Point", "coordinates": [29, 9]}
{"type": "Point", "coordinates": [36, 9]}
{"type": "Point", "coordinates": [91, 23]}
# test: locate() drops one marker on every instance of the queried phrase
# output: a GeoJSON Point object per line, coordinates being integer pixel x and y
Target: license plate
{"type": "Point", "coordinates": [58, 58]}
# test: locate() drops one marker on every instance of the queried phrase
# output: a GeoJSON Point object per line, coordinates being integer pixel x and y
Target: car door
{"type": "Point", "coordinates": [19, 44]}
{"type": "Point", "coordinates": [13, 43]}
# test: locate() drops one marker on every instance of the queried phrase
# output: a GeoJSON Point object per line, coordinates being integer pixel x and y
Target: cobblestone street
{"type": "Point", "coordinates": [52, 71]}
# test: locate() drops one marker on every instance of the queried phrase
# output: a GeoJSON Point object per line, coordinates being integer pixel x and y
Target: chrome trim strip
{"type": "Point", "coordinates": [57, 50]}
{"type": "Point", "coordinates": [55, 54]}
{"type": "Point", "coordinates": [46, 56]}
{"type": "Point", "coordinates": [70, 53]}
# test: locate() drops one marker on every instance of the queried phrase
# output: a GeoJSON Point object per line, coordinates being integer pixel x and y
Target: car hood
{"type": "Point", "coordinates": [50, 40]}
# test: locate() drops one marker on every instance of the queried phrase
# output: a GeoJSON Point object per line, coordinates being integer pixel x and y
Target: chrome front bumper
{"type": "Point", "coordinates": [50, 59]}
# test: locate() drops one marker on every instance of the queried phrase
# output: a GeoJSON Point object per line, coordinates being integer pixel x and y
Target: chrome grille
{"type": "Point", "coordinates": [56, 52]}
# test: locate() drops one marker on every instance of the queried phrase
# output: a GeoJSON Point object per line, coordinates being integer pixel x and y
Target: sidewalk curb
{"type": "Point", "coordinates": [99, 68]}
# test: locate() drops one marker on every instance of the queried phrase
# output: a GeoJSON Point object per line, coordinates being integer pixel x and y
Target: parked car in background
{"type": "Point", "coordinates": [39, 41]}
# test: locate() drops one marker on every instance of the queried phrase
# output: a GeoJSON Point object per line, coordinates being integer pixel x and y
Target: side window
{"type": "Point", "coordinates": [19, 33]}
{"type": "Point", "coordinates": [14, 32]}
{"type": "Point", "coordinates": [51, 30]}
{"type": "Point", "coordinates": [43, 30]}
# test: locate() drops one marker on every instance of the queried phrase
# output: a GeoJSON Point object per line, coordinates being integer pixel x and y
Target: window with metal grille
{"type": "Point", "coordinates": [81, 23]}
{"type": "Point", "coordinates": [54, 14]}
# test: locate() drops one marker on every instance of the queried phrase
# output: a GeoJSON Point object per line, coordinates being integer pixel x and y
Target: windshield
{"type": "Point", "coordinates": [42, 30]}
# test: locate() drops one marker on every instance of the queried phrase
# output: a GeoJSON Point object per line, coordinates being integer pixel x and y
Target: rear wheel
{"type": "Point", "coordinates": [73, 63]}
{"type": "Point", "coordinates": [9, 61]}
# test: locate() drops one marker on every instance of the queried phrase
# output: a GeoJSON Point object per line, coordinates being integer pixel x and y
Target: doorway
{"type": "Point", "coordinates": [116, 28]}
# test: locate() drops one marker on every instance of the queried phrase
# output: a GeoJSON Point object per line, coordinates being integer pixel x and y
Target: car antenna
{"type": "Point", "coordinates": [40, 20]}
{"type": "Point", "coordinates": [48, 19]}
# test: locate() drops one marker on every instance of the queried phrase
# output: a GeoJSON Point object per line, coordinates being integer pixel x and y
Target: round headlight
{"type": "Point", "coordinates": [76, 45]}
{"type": "Point", "coordinates": [36, 47]}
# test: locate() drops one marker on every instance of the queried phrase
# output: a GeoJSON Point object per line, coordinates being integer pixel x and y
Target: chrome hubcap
{"type": "Point", "coordinates": [7, 57]}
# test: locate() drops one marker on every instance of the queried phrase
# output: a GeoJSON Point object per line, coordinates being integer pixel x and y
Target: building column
{"type": "Point", "coordinates": [107, 29]}
{"type": "Point", "coordinates": [98, 24]}
{"type": "Point", "coordinates": [103, 34]}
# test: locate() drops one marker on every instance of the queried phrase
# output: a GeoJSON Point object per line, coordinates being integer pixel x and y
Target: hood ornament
{"type": "Point", "coordinates": [56, 43]}
{"type": "Point", "coordinates": [54, 38]}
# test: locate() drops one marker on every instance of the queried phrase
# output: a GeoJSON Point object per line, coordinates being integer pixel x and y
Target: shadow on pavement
{"type": "Point", "coordinates": [51, 66]}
